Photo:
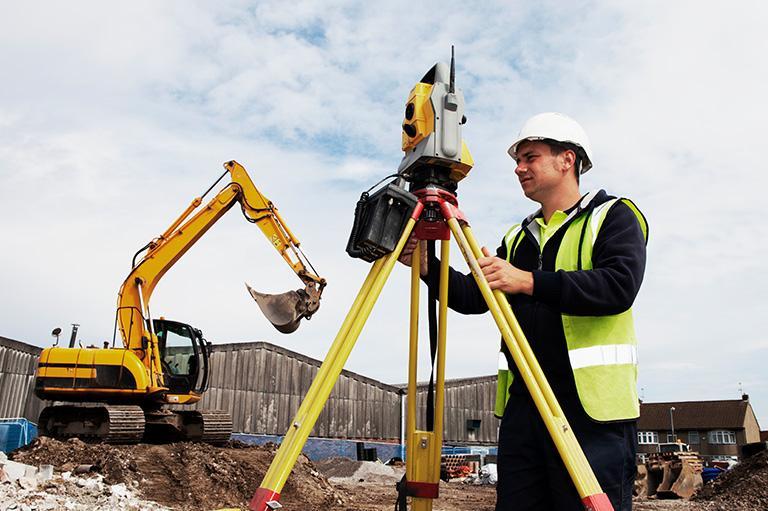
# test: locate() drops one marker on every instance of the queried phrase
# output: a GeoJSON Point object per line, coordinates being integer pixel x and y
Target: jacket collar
{"type": "Point", "coordinates": [588, 201]}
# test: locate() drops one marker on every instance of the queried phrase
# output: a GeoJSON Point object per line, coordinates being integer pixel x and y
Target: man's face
{"type": "Point", "coordinates": [538, 170]}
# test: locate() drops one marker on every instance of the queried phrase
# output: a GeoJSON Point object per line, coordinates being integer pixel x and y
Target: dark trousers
{"type": "Point", "coordinates": [532, 476]}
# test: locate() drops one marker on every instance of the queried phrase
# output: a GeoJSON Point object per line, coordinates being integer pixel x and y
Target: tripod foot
{"type": "Point", "coordinates": [597, 502]}
{"type": "Point", "coordinates": [264, 500]}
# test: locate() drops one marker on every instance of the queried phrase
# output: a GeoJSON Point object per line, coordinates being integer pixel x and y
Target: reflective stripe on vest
{"type": "Point", "coordinates": [512, 239]}
{"type": "Point", "coordinates": [602, 349]}
{"type": "Point", "coordinates": [608, 354]}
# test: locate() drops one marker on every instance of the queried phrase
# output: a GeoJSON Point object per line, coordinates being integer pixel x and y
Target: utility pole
{"type": "Point", "coordinates": [672, 422]}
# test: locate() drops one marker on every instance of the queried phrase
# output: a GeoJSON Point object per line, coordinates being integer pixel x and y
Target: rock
{"type": "Point", "coordinates": [75, 442]}
{"type": "Point", "coordinates": [28, 483]}
{"type": "Point", "coordinates": [15, 470]}
{"type": "Point", "coordinates": [45, 472]}
{"type": "Point", "coordinates": [119, 490]}
{"type": "Point", "coordinates": [85, 468]}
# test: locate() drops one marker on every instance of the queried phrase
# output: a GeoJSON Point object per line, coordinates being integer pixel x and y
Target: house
{"type": "Point", "coordinates": [715, 429]}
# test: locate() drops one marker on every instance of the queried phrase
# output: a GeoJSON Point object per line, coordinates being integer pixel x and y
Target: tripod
{"type": "Point", "coordinates": [438, 218]}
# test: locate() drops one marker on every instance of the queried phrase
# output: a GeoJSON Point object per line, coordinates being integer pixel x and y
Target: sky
{"type": "Point", "coordinates": [114, 116]}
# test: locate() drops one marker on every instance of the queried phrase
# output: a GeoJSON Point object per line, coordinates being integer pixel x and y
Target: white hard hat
{"type": "Point", "coordinates": [557, 127]}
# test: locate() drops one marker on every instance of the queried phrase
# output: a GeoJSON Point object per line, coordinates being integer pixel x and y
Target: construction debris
{"type": "Point", "coordinates": [487, 474]}
{"type": "Point", "coordinates": [71, 493]}
{"type": "Point", "coordinates": [344, 470]}
{"type": "Point", "coordinates": [182, 476]}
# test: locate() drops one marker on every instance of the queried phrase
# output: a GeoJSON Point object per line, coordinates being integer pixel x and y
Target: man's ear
{"type": "Point", "coordinates": [568, 159]}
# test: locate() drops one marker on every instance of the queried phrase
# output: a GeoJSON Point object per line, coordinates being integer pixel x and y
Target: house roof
{"type": "Point", "coordinates": [694, 415]}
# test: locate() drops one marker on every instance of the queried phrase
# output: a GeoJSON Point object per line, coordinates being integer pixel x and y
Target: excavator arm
{"type": "Point", "coordinates": [284, 311]}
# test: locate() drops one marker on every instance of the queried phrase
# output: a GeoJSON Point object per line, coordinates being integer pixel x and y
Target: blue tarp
{"type": "Point", "coordinates": [15, 433]}
{"type": "Point", "coordinates": [322, 448]}
{"type": "Point", "coordinates": [710, 473]}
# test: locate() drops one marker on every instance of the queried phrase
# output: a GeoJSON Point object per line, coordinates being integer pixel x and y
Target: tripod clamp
{"type": "Point", "coordinates": [435, 206]}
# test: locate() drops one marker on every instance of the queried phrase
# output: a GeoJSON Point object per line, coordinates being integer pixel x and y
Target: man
{"type": "Point", "coordinates": [571, 272]}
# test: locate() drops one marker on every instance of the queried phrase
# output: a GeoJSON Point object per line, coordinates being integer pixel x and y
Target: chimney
{"type": "Point", "coordinates": [745, 397]}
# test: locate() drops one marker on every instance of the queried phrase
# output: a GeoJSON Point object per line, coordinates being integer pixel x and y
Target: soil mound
{"type": "Point", "coordinates": [187, 476]}
{"type": "Point", "coordinates": [745, 486]}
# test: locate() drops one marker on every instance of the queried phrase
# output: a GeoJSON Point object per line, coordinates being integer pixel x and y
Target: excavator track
{"type": "Point", "coordinates": [114, 424]}
{"type": "Point", "coordinates": [209, 426]}
{"type": "Point", "coordinates": [217, 426]}
{"type": "Point", "coordinates": [126, 425]}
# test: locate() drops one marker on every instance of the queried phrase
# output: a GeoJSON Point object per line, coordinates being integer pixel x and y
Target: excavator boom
{"type": "Point", "coordinates": [284, 311]}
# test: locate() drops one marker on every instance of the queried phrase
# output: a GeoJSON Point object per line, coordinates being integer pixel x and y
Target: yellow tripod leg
{"type": "Point", "coordinates": [268, 493]}
{"type": "Point", "coordinates": [413, 354]}
{"type": "Point", "coordinates": [424, 448]}
{"type": "Point", "coordinates": [565, 441]}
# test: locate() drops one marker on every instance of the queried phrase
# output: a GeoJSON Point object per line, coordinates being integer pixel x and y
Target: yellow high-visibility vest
{"type": "Point", "coordinates": [602, 349]}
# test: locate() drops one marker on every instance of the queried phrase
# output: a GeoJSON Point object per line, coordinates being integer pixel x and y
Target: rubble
{"type": "Point", "coordinates": [65, 492]}
{"type": "Point", "coordinates": [345, 470]}
{"type": "Point", "coordinates": [486, 475]}
{"type": "Point", "coordinates": [181, 476]}
{"type": "Point", "coordinates": [13, 471]}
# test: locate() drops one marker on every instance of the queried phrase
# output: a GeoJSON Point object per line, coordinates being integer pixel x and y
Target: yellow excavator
{"type": "Point", "coordinates": [121, 394]}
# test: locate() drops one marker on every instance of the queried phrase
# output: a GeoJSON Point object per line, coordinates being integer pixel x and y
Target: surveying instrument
{"type": "Point", "coordinates": [436, 159]}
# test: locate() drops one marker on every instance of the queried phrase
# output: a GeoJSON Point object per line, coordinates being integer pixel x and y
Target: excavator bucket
{"type": "Point", "coordinates": [689, 481]}
{"type": "Point", "coordinates": [670, 476]}
{"type": "Point", "coordinates": [283, 310]}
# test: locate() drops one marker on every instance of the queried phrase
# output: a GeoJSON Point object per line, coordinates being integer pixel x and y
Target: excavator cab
{"type": "Point", "coordinates": [184, 355]}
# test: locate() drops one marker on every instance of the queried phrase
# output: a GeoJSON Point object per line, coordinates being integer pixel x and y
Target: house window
{"type": "Point", "coordinates": [671, 438]}
{"type": "Point", "coordinates": [722, 436]}
{"type": "Point", "coordinates": [693, 438]}
{"type": "Point", "coordinates": [647, 437]}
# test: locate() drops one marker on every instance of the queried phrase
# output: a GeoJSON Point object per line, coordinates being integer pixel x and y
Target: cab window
{"type": "Point", "coordinates": [177, 348]}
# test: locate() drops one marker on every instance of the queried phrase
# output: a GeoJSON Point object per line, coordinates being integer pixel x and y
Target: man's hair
{"type": "Point", "coordinates": [559, 148]}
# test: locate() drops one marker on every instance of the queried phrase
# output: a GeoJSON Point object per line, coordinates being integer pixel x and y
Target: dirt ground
{"type": "Point", "coordinates": [187, 476]}
{"type": "Point", "coordinates": [745, 486]}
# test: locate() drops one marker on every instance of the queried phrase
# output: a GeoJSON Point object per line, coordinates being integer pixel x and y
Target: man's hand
{"type": "Point", "coordinates": [406, 256]}
{"type": "Point", "coordinates": [505, 277]}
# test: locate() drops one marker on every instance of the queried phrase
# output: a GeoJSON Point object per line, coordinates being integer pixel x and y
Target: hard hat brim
{"type": "Point", "coordinates": [585, 165]}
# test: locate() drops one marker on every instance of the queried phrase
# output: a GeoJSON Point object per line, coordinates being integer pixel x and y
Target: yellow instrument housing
{"type": "Point", "coordinates": [460, 169]}
{"type": "Point", "coordinates": [423, 118]}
